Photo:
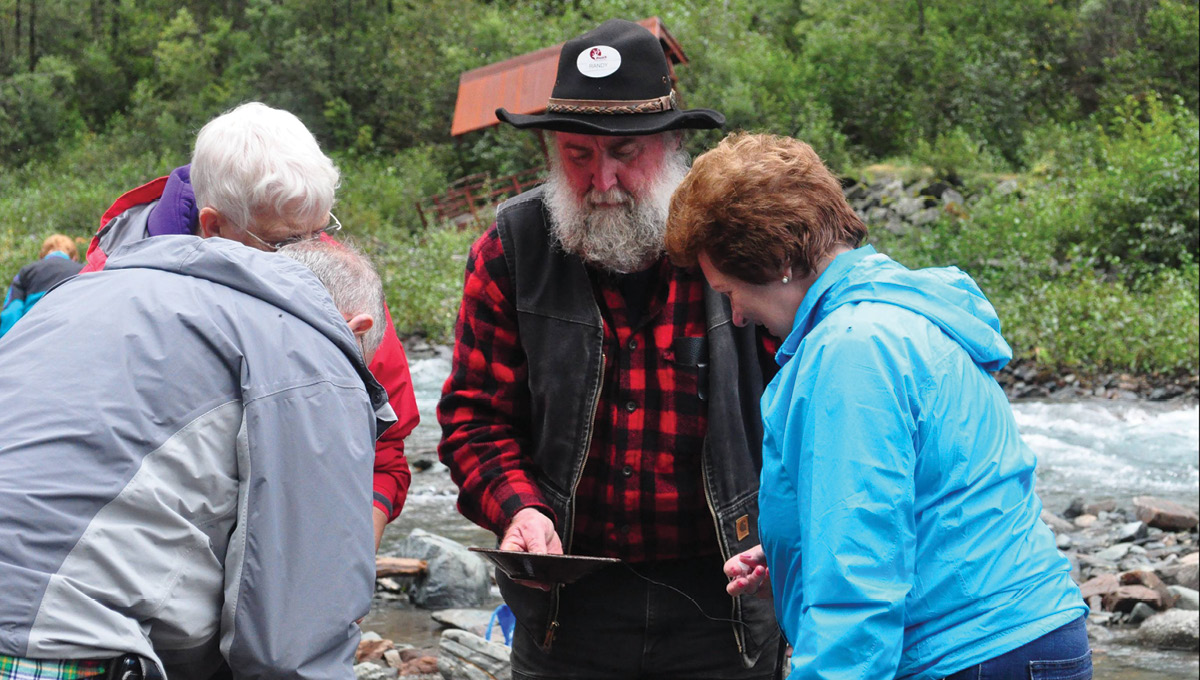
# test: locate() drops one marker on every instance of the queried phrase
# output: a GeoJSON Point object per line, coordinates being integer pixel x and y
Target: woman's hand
{"type": "Point", "coordinates": [748, 574]}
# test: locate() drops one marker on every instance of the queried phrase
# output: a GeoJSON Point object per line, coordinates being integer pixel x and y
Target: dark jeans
{"type": "Point", "coordinates": [615, 625]}
{"type": "Point", "coordinates": [1061, 654]}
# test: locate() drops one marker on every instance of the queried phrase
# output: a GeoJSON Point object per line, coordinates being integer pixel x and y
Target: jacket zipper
{"type": "Point", "coordinates": [553, 627]}
{"type": "Point", "coordinates": [737, 629]}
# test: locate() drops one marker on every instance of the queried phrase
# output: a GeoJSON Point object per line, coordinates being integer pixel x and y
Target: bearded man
{"type": "Point", "coordinates": [601, 401]}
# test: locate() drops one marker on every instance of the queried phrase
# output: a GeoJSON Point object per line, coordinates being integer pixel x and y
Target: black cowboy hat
{"type": "Point", "coordinates": [614, 80]}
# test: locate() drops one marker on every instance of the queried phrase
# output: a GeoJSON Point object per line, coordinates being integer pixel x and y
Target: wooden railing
{"type": "Point", "coordinates": [470, 201]}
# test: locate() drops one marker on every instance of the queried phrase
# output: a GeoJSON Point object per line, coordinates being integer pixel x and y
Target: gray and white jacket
{"type": "Point", "coordinates": [186, 446]}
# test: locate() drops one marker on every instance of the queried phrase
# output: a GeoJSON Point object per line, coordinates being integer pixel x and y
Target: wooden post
{"type": "Point", "coordinates": [421, 214]}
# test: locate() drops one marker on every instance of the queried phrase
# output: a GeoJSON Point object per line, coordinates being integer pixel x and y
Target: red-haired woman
{"type": "Point", "coordinates": [900, 528]}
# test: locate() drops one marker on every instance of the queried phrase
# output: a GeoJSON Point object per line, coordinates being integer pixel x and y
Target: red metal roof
{"type": "Point", "coordinates": [523, 84]}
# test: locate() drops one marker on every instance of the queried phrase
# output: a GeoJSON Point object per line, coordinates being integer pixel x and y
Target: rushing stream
{"type": "Point", "coordinates": [1088, 449]}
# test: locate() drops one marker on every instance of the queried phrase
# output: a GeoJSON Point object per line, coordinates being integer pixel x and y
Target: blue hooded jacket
{"type": "Point", "coordinates": [898, 512]}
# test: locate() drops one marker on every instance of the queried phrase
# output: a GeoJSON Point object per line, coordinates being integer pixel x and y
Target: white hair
{"type": "Point", "coordinates": [621, 239]}
{"type": "Point", "coordinates": [349, 277]}
{"type": "Point", "coordinates": [256, 161]}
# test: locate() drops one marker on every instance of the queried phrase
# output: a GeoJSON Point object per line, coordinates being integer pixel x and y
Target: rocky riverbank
{"type": "Point", "coordinates": [1138, 568]}
{"type": "Point", "coordinates": [1026, 380]}
{"type": "Point", "coordinates": [1137, 563]}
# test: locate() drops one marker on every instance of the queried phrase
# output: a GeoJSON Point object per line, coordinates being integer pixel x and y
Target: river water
{"type": "Point", "coordinates": [1090, 449]}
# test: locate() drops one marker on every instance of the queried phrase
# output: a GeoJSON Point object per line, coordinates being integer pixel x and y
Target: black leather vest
{"type": "Point", "coordinates": [562, 334]}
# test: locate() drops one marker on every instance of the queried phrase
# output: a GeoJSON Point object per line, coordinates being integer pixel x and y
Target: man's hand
{"type": "Point", "coordinates": [531, 531]}
{"type": "Point", "coordinates": [748, 574]}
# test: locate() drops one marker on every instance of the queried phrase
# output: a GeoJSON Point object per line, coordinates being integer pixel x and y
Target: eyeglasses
{"type": "Point", "coordinates": [334, 226]}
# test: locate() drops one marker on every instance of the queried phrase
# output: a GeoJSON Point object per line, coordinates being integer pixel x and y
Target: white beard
{"type": "Point", "coordinates": [624, 238]}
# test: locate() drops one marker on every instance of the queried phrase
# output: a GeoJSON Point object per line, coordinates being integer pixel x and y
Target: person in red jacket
{"type": "Point", "coordinates": [259, 177]}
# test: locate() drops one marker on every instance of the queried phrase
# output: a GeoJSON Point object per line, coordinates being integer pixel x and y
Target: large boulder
{"type": "Point", "coordinates": [455, 577]}
{"type": "Point", "coordinates": [1175, 629]}
{"type": "Point", "coordinates": [465, 656]}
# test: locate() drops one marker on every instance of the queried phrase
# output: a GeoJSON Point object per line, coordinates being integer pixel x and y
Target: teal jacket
{"type": "Point", "coordinates": [897, 505]}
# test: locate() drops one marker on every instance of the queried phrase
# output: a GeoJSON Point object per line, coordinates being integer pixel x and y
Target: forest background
{"type": "Point", "coordinates": [1089, 105]}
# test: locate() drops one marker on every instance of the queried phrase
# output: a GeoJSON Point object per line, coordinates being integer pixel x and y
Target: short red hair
{"type": "Point", "coordinates": [757, 204]}
{"type": "Point", "coordinates": [60, 242]}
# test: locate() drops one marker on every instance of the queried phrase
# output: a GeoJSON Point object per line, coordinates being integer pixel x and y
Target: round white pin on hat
{"type": "Point", "coordinates": [598, 61]}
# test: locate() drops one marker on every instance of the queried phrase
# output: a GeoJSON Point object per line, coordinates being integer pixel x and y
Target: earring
{"type": "Point", "coordinates": [786, 279]}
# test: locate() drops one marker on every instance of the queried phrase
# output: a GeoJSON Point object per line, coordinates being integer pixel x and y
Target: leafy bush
{"type": "Point", "coordinates": [1081, 321]}
{"type": "Point", "coordinates": [955, 154]}
{"type": "Point", "coordinates": [422, 279]}
{"type": "Point", "coordinates": [1129, 192]}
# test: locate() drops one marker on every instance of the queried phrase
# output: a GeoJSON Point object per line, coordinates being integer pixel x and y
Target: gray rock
{"type": "Point", "coordinates": [464, 656]}
{"type": "Point", "coordinates": [893, 188]}
{"type": "Point", "coordinates": [896, 225]}
{"type": "Point", "coordinates": [1006, 187]}
{"type": "Point", "coordinates": [1186, 598]}
{"type": "Point", "coordinates": [456, 577]}
{"type": "Point", "coordinates": [1063, 541]}
{"type": "Point", "coordinates": [855, 192]}
{"type": "Point", "coordinates": [1076, 508]}
{"type": "Point", "coordinates": [950, 196]}
{"type": "Point", "coordinates": [1114, 553]}
{"type": "Point", "coordinates": [1140, 612]}
{"type": "Point", "coordinates": [1186, 572]}
{"type": "Point", "coordinates": [1175, 629]}
{"type": "Point", "coordinates": [1131, 531]}
{"type": "Point", "coordinates": [926, 216]}
{"type": "Point", "coordinates": [907, 207]}
{"type": "Point", "coordinates": [471, 620]}
{"type": "Point", "coordinates": [370, 671]}
{"type": "Point", "coordinates": [877, 215]}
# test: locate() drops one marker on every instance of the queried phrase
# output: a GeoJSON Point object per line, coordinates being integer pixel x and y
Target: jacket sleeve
{"type": "Point", "coordinates": [484, 410]}
{"type": "Point", "coordinates": [392, 475]}
{"type": "Point", "coordinates": [300, 565]}
{"type": "Point", "coordinates": [849, 451]}
{"type": "Point", "coordinates": [14, 304]}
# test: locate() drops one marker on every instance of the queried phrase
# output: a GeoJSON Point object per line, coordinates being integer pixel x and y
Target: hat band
{"type": "Point", "coordinates": [612, 106]}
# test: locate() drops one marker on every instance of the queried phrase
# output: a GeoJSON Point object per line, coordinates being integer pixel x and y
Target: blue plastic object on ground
{"type": "Point", "coordinates": [504, 616]}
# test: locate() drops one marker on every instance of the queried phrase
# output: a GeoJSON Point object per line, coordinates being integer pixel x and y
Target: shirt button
{"type": "Point", "coordinates": [631, 406]}
{"type": "Point", "coordinates": [627, 471]}
{"type": "Point", "coordinates": [632, 343]}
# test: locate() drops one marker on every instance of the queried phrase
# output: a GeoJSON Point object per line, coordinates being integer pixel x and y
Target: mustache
{"type": "Point", "coordinates": [616, 195]}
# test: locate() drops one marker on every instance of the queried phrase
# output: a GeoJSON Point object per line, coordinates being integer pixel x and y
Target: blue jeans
{"type": "Point", "coordinates": [1061, 654]}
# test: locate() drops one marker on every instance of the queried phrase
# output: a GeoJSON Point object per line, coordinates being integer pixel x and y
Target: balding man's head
{"type": "Point", "coordinates": [351, 281]}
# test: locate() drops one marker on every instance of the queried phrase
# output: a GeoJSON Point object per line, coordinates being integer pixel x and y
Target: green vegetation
{"type": "Point", "coordinates": [1091, 105]}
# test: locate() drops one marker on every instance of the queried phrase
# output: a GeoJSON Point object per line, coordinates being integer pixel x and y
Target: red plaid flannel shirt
{"type": "Point", "coordinates": [641, 495]}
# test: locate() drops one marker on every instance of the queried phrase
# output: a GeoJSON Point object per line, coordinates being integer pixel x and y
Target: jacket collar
{"type": "Point", "coordinates": [807, 314]}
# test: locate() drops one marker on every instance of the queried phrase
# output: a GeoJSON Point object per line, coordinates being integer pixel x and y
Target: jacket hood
{"type": "Point", "coordinates": [275, 279]}
{"type": "Point", "coordinates": [946, 296]}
